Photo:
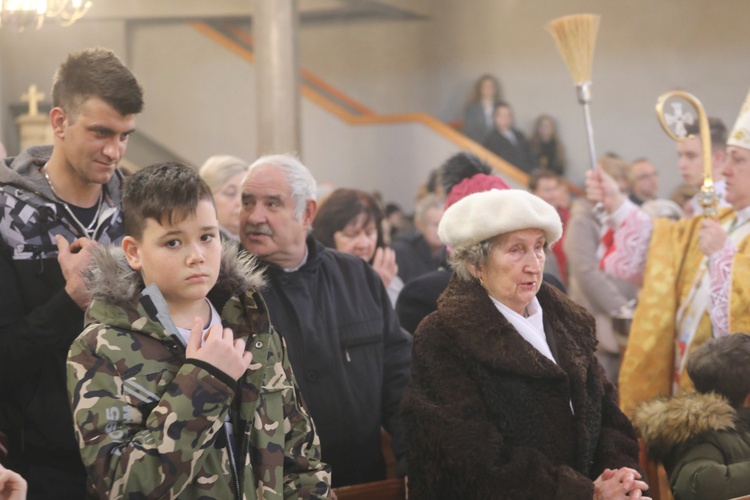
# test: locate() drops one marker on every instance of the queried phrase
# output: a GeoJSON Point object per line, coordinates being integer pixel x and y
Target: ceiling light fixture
{"type": "Point", "coordinates": [21, 14]}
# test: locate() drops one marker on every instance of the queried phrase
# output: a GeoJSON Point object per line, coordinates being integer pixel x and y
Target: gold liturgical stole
{"type": "Point", "coordinates": [674, 259]}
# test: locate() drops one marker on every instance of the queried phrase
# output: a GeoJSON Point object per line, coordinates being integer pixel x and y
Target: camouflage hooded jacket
{"type": "Point", "coordinates": [152, 425]}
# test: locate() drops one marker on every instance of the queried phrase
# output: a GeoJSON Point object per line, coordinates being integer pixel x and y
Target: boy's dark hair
{"type": "Point", "coordinates": [165, 192]}
{"type": "Point", "coordinates": [718, 133]}
{"type": "Point", "coordinates": [722, 365]}
{"type": "Point", "coordinates": [96, 73]}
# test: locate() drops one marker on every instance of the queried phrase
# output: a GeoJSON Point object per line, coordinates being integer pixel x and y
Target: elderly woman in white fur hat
{"type": "Point", "coordinates": [506, 398]}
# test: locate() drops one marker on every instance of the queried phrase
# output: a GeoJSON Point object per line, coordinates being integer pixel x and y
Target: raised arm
{"type": "Point", "coordinates": [625, 257]}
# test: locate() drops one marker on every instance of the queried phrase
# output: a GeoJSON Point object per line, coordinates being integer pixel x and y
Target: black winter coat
{"type": "Point", "coordinates": [349, 354]}
{"type": "Point", "coordinates": [414, 257]}
{"type": "Point", "coordinates": [518, 154]}
{"type": "Point", "coordinates": [488, 416]}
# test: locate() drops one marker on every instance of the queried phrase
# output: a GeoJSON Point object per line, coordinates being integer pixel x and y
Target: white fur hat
{"type": "Point", "coordinates": [481, 216]}
{"type": "Point", "coordinates": [740, 135]}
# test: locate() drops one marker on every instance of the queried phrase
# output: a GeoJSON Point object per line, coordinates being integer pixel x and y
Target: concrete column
{"type": "Point", "coordinates": [275, 25]}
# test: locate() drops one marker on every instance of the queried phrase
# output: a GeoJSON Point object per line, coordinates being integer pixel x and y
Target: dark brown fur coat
{"type": "Point", "coordinates": [488, 416]}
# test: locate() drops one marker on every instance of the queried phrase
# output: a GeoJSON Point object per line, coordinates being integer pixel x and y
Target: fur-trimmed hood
{"type": "Point", "coordinates": [666, 423]}
{"type": "Point", "coordinates": [111, 280]}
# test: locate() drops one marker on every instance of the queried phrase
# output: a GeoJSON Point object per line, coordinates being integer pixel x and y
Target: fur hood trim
{"type": "Point", "coordinates": [111, 280]}
{"type": "Point", "coordinates": [666, 423]}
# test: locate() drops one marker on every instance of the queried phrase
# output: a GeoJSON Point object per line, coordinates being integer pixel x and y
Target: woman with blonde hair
{"type": "Point", "coordinates": [224, 175]}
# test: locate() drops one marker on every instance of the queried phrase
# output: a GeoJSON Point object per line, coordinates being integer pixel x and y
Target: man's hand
{"type": "Point", "coordinates": [623, 483]}
{"type": "Point", "coordinates": [219, 350]}
{"type": "Point", "coordinates": [12, 485]}
{"type": "Point", "coordinates": [73, 259]}
{"type": "Point", "coordinates": [711, 237]}
{"type": "Point", "coordinates": [384, 263]}
{"type": "Point", "coordinates": [602, 188]}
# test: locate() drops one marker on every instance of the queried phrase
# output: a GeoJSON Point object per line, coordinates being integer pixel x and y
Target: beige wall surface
{"type": "Point", "coordinates": [31, 56]}
{"type": "Point", "coordinates": [200, 97]}
{"type": "Point", "coordinates": [644, 48]}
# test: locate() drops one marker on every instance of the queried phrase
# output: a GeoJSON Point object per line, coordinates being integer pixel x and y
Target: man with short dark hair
{"type": "Point", "coordinates": [550, 186]}
{"type": "Point", "coordinates": [690, 161]}
{"type": "Point", "coordinates": [56, 203]}
{"type": "Point", "coordinates": [350, 356]}
{"type": "Point", "coordinates": [507, 142]}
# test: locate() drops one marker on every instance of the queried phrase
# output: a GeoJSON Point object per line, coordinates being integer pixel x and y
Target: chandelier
{"type": "Point", "coordinates": [22, 14]}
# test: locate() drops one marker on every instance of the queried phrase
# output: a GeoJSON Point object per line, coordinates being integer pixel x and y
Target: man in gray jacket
{"type": "Point", "coordinates": [56, 203]}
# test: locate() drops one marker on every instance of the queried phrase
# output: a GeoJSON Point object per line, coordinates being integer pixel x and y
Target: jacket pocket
{"type": "Point", "coordinates": [361, 339]}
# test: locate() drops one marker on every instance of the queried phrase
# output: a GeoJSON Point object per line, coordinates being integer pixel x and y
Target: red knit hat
{"type": "Point", "coordinates": [475, 184]}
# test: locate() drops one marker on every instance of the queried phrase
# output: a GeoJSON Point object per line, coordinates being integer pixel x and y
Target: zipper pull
{"type": "Point", "coordinates": [348, 357]}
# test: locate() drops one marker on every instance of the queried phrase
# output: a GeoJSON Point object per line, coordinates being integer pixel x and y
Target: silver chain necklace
{"type": "Point", "coordinates": [91, 228]}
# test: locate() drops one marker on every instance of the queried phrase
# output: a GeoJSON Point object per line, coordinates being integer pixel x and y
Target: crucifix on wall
{"type": "Point", "coordinates": [34, 129]}
{"type": "Point", "coordinates": [33, 97]}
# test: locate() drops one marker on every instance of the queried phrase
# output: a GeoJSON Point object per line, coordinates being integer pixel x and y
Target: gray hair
{"type": "Point", "coordinates": [476, 255]}
{"type": "Point", "coordinates": [217, 170]}
{"type": "Point", "coordinates": [301, 182]}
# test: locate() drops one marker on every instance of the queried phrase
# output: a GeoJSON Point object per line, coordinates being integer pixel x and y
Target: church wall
{"type": "Point", "coordinates": [31, 56]}
{"type": "Point", "coordinates": [644, 48]}
{"type": "Point", "coordinates": [199, 95]}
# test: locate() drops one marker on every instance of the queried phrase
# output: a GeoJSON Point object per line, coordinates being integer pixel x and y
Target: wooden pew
{"type": "Point", "coordinates": [388, 489]}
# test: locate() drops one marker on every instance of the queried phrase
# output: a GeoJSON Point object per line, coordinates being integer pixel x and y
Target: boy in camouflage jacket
{"type": "Point", "coordinates": [167, 403]}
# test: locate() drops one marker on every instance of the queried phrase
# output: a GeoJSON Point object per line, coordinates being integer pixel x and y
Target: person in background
{"type": "Point", "coordinates": [546, 145]}
{"type": "Point", "coordinates": [703, 438]}
{"type": "Point", "coordinates": [509, 143]}
{"type": "Point", "coordinates": [478, 121]}
{"type": "Point", "coordinates": [506, 398]}
{"type": "Point", "coordinates": [351, 357]}
{"type": "Point", "coordinates": [690, 161]}
{"type": "Point", "coordinates": [644, 181]}
{"type": "Point", "coordinates": [589, 286]}
{"type": "Point", "coordinates": [420, 251]}
{"type": "Point", "coordinates": [350, 221]}
{"type": "Point", "coordinates": [683, 195]}
{"type": "Point", "coordinates": [57, 203]}
{"type": "Point", "coordinates": [550, 186]}
{"type": "Point", "coordinates": [224, 175]}
{"type": "Point", "coordinates": [394, 217]}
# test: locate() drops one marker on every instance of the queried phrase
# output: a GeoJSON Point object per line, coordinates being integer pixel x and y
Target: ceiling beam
{"type": "Point", "coordinates": [154, 10]}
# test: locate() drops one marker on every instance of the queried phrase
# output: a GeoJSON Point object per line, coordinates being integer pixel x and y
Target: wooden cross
{"type": "Point", "coordinates": [33, 97]}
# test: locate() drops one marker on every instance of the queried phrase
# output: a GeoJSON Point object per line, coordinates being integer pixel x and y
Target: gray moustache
{"type": "Point", "coordinates": [262, 229]}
